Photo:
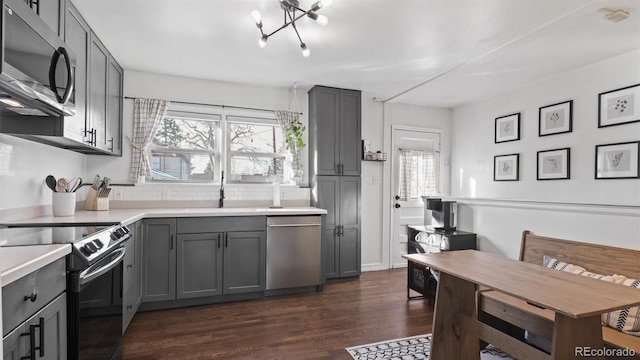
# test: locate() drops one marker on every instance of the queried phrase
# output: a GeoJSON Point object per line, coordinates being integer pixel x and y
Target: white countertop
{"type": "Point", "coordinates": [128, 216]}
{"type": "Point", "coordinates": [18, 261]}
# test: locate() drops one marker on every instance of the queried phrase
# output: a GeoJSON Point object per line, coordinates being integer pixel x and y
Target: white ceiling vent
{"type": "Point", "coordinates": [615, 15]}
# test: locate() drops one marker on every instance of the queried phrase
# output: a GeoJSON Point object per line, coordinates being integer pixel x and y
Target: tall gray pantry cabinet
{"type": "Point", "coordinates": [335, 154]}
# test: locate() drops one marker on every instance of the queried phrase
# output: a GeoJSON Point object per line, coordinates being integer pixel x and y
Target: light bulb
{"type": "Point", "coordinates": [326, 3]}
{"type": "Point", "coordinates": [322, 20]}
{"type": "Point", "coordinates": [255, 15]}
{"type": "Point", "coordinates": [262, 42]}
{"type": "Point", "coordinates": [305, 50]}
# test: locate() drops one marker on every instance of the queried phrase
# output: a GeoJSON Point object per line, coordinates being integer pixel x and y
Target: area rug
{"type": "Point", "coordinates": [411, 348]}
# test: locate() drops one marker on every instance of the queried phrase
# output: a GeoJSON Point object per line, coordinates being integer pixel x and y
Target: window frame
{"type": "Point", "coordinates": [222, 153]}
{"type": "Point", "coordinates": [253, 120]}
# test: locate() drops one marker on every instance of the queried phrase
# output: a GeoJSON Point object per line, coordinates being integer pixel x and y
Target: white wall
{"type": "Point", "coordinates": [377, 220]}
{"type": "Point", "coordinates": [499, 211]}
{"type": "Point", "coordinates": [24, 165]}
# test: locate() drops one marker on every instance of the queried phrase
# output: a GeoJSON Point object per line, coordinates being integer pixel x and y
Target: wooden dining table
{"type": "Point", "coordinates": [578, 302]}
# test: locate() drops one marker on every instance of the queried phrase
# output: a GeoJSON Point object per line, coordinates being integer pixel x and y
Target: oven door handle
{"type": "Point", "coordinates": [90, 274]}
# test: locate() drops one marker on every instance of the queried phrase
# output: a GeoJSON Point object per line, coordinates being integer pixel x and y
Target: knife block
{"type": "Point", "coordinates": [97, 200]}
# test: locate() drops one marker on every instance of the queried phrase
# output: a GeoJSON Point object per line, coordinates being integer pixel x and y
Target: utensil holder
{"type": "Point", "coordinates": [97, 200]}
{"type": "Point", "coordinates": [63, 203]}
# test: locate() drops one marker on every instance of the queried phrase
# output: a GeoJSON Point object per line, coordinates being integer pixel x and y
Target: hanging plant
{"type": "Point", "coordinates": [294, 135]}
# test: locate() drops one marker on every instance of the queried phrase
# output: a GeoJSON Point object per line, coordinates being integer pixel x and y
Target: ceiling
{"type": "Point", "coordinates": [423, 52]}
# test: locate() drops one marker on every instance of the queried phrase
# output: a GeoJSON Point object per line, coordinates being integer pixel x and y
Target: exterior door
{"type": "Point", "coordinates": [409, 211]}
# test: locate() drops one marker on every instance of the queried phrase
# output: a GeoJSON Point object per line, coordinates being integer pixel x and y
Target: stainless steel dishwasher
{"type": "Point", "coordinates": [293, 251]}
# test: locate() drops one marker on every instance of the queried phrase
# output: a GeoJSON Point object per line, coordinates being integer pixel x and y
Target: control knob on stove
{"type": "Point", "coordinates": [88, 249]}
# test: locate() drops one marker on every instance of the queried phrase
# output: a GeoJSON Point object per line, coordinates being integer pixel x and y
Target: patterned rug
{"type": "Point", "coordinates": [411, 348]}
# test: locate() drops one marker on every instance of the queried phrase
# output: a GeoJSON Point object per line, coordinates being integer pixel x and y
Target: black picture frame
{"type": "Point", "coordinates": [507, 128]}
{"type": "Point", "coordinates": [614, 103]}
{"type": "Point", "coordinates": [554, 164]}
{"type": "Point", "coordinates": [506, 167]}
{"type": "Point", "coordinates": [617, 161]}
{"type": "Point", "coordinates": [555, 118]}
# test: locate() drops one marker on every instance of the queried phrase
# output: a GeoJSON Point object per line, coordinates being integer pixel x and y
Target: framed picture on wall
{"type": "Point", "coordinates": [506, 167]}
{"type": "Point", "coordinates": [507, 128]}
{"type": "Point", "coordinates": [554, 164]}
{"type": "Point", "coordinates": [618, 161]}
{"type": "Point", "coordinates": [617, 107]}
{"type": "Point", "coordinates": [555, 119]}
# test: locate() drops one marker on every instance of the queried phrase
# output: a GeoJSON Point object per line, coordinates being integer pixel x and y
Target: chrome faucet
{"type": "Point", "coordinates": [221, 201]}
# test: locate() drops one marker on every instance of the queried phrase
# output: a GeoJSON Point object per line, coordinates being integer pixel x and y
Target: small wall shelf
{"type": "Point", "coordinates": [380, 157]}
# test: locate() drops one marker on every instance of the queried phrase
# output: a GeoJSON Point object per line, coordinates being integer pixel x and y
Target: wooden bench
{"type": "Point", "coordinates": [514, 316]}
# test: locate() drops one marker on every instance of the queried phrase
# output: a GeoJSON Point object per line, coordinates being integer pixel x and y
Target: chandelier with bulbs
{"type": "Point", "coordinates": [292, 13]}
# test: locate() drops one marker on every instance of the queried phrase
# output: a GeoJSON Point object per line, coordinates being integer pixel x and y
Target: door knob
{"type": "Point", "coordinates": [397, 206]}
{"type": "Point", "coordinates": [397, 197]}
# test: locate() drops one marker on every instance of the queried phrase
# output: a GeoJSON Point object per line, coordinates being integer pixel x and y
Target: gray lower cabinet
{"type": "Point", "coordinates": [245, 262]}
{"type": "Point", "coordinates": [340, 196]}
{"type": "Point", "coordinates": [189, 260]}
{"type": "Point", "coordinates": [199, 265]}
{"type": "Point", "coordinates": [45, 333]}
{"type": "Point", "coordinates": [34, 310]}
{"type": "Point", "coordinates": [131, 275]}
{"type": "Point", "coordinates": [158, 260]}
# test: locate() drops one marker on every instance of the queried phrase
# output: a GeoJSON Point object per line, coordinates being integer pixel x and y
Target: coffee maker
{"type": "Point", "coordinates": [444, 213]}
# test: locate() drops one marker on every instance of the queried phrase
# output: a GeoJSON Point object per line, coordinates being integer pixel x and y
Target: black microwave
{"type": "Point", "coordinates": [37, 68]}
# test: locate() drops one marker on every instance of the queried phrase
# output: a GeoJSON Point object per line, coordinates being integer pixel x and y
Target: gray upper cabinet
{"type": "Point", "coordinates": [199, 265]}
{"type": "Point", "coordinates": [77, 37]}
{"type": "Point", "coordinates": [97, 105]}
{"type": "Point", "coordinates": [335, 128]}
{"type": "Point", "coordinates": [114, 107]}
{"type": "Point", "coordinates": [159, 260]}
{"type": "Point", "coordinates": [52, 12]}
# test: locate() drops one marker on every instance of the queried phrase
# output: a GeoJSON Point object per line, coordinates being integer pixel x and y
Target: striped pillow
{"type": "Point", "coordinates": [625, 320]}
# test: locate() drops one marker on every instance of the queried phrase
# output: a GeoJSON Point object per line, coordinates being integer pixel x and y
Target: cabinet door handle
{"type": "Point", "coordinates": [41, 326]}
{"type": "Point", "coordinates": [218, 241]}
{"type": "Point", "coordinates": [32, 340]}
{"type": "Point", "coordinates": [341, 169]}
{"type": "Point", "coordinates": [111, 141]}
{"type": "Point", "coordinates": [171, 242]}
{"type": "Point", "coordinates": [32, 297]}
{"type": "Point", "coordinates": [226, 240]}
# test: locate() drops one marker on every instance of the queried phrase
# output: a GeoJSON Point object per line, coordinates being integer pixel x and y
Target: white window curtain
{"type": "Point", "coordinates": [419, 174]}
{"type": "Point", "coordinates": [147, 115]}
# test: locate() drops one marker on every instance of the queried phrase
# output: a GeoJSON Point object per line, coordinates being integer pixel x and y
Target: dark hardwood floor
{"type": "Point", "coordinates": [303, 326]}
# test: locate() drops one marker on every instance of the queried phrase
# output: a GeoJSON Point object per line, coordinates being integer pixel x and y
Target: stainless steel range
{"type": "Point", "coordinates": [94, 286]}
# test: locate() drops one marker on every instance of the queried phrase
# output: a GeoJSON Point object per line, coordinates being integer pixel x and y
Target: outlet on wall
{"type": "Point", "coordinates": [117, 193]}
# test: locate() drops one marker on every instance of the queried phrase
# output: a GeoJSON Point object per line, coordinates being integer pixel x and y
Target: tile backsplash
{"type": "Point", "coordinates": [198, 192]}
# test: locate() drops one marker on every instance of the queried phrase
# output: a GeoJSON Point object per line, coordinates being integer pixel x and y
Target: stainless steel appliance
{"type": "Point", "coordinates": [94, 290]}
{"type": "Point", "coordinates": [293, 251]}
{"type": "Point", "coordinates": [37, 76]}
